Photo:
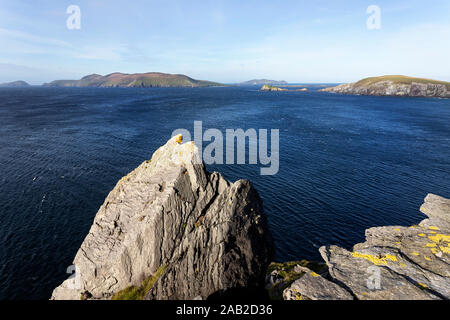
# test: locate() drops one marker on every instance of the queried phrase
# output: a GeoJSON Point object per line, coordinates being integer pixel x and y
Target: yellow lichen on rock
{"type": "Point", "coordinates": [314, 274]}
{"type": "Point", "coordinates": [440, 237]}
{"type": "Point", "coordinates": [391, 257]}
{"type": "Point", "coordinates": [421, 234]}
{"type": "Point", "coordinates": [433, 228]}
{"type": "Point", "coordinates": [445, 249]}
{"type": "Point", "coordinates": [374, 259]}
{"type": "Point", "coordinates": [179, 138]}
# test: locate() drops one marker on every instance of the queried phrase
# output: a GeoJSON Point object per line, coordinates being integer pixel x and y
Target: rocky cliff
{"type": "Point", "coordinates": [394, 262]}
{"type": "Point", "coordinates": [400, 86]}
{"type": "Point", "coordinates": [171, 230]}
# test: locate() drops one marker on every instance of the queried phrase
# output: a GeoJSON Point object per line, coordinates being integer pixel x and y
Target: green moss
{"type": "Point", "coordinates": [287, 273]}
{"type": "Point", "coordinates": [288, 267]}
{"type": "Point", "coordinates": [138, 293]}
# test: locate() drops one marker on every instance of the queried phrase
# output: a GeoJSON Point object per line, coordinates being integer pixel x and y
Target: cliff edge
{"type": "Point", "coordinates": [172, 230]}
{"type": "Point", "coordinates": [394, 263]}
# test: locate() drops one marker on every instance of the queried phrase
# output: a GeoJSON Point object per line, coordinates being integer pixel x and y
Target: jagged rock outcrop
{"type": "Point", "coordinates": [171, 230]}
{"type": "Point", "coordinates": [400, 86]}
{"type": "Point", "coordinates": [393, 263]}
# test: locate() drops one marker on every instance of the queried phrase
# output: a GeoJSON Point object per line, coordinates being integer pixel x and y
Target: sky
{"type": "Point", "coordinates": [225, 40]}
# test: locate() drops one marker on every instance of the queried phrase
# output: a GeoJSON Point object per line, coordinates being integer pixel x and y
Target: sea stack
{"type": "Point", "coordinates": [172, 230]}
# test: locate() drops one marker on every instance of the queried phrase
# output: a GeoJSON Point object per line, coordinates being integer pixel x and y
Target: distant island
{"type": "Point", "coordinates": [141, 80]}
{"type": "Point", "coordinates": [395, 85]}
{"type": "Point", "coordinates": [15, 84]}
{"type": "Point", "coordinates": [268, 87]}
{"type": "Point", "coordinates": [258, 82]}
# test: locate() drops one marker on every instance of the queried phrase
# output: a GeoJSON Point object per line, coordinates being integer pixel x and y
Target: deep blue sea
{"type": "Point", "coordinates": [347, 163]}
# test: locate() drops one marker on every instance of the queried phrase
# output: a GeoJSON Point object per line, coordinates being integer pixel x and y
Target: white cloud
{"type": "Point", "coordinates": [30, 38]}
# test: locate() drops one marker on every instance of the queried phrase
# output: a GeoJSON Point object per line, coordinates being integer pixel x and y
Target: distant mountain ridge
{"type": "Point", "coordinates": [142, 80]}
{"type": "Point", "coordinates": [395, 85]}
{"type": "Point", "coordinates": [15, 84]}
{"type": "Point", "coordinates": [257, 82]}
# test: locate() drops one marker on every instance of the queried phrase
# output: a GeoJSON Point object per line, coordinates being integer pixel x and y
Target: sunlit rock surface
{"type": "Point", "coordinates": [172, 230]}
{"type": "Point", "coordinates": [409, 262]}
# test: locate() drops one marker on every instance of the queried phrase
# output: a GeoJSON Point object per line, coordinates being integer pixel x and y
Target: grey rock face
{"type": "Point", "coordinates": [436, 207]}
{"type": "Point", "coordinates": [170, 214]}
{"type": "Point", "coordinates": [312, 286]}
{"type": "Point", "coordinates": [398, 263]}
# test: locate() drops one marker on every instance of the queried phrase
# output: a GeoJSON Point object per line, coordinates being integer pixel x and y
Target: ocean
{"type": "Point", "coordinates": [347, 163]}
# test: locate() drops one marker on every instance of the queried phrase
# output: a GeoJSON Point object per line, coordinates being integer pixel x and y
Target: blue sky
{"type": "Point", "coordinates": [225, 41]}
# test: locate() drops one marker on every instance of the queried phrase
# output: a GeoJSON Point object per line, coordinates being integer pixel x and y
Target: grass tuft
{"type": "Point", "coordinates": [138, 293]}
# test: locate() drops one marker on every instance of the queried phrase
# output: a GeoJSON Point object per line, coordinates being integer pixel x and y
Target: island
{"type": "Point", "coordinates": [394, 85]}
{"type": "Point", "coordinates": [15, 84]}
{"type": "Point", "coordinates": [268, 87]}
{"type": "Point", "coordinates": [141, 80]}
{"type": "Point", "coordinates": [258, 82]}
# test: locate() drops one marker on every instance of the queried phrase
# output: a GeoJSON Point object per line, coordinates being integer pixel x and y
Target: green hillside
{"type": "Point", "coordinates": [399, 79]}
{"type": "Point", "coordinates": [144, 80]}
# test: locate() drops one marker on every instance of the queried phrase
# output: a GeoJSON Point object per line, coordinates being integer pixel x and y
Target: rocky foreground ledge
{"type": "Point", "coordinates": [410, 263]}
{"type": "Point", "coordinates": [172, 230]}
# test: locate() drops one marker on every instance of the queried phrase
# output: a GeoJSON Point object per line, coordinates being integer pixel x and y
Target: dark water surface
{"type": "Point", "coordinates": [347, 163]}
